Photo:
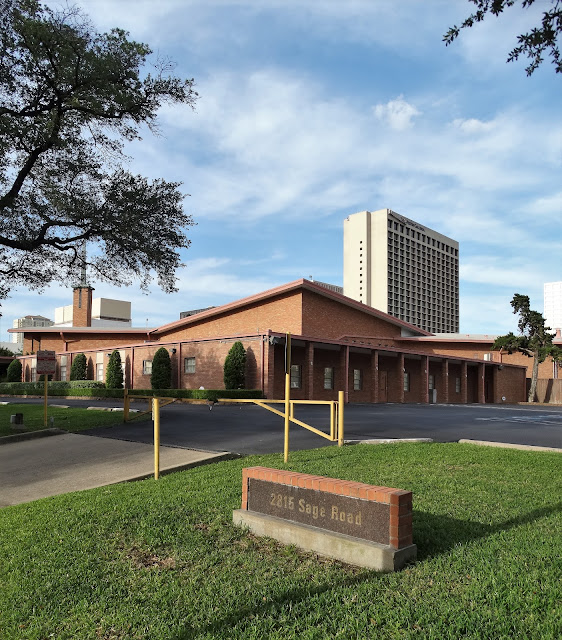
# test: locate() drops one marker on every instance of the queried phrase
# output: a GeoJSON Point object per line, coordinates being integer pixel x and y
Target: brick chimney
{"type": "Point", "coordinates": [82, 307]}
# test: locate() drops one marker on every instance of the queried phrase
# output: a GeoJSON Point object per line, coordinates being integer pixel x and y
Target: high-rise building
{"type": "Point", "coordinates": [553, 304]}
{"type": "Point", "coordinates": [403, 268]}
{"type": "Point", "coordinates": [27, 322]}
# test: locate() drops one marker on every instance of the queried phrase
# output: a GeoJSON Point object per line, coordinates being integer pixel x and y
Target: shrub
{"type": "Point", "coordinates": [78, 369]}
{"type": "Point", "coordinates": [161, 377]}
{"type": "Point", "coordinates": [235, 367]}
{"type": "Point", "coordinates": [114, 373]}
{"type": "Point", "coordinates": [14, 371]}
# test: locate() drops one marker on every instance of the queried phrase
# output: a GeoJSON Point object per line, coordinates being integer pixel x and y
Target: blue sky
{"type": "Point", "coordinates": [314, 110]}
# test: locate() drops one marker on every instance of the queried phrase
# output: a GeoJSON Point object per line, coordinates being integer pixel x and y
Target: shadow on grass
{"type": "Point", "coordinates": [433, 535]}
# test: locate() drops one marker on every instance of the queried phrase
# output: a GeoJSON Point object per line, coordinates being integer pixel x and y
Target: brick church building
{"type": "Point", "coordinates": [336, 344]}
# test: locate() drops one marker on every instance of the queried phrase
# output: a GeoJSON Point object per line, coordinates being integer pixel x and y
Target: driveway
{"type": "Point", "coordinates": [249, 429]}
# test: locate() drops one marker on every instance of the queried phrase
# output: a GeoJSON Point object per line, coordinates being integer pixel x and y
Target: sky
{"type": "Point", "coordinates": [312, 110]}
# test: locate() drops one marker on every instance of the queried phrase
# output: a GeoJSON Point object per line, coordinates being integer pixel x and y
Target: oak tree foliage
{"type": "Point", "coordinates": [70, 99]}
{"type": "Point", "coordinates": [534, 339]}
{"type": "Point", "coordinates": [543, 39]}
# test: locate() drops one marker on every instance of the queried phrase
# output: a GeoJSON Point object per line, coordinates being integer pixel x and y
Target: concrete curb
{"type": "Point", "coordinates": [506, 445]}
{"type": "Point", "coordinates": [389, 441]}
{"type": "Point", "coordinates": [31, 435]}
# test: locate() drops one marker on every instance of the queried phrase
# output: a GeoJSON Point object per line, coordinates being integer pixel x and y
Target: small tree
{"type": "Point", "coordinates": [78, 368]}
{"type": "Point", "coordinates": [235, 367]}
{"type": "Point", "coordinates": [534, 340]}
{"type": "Point", "coordinates": [14, 371]}
{"type": "Point", "coordinates": [161, 377]}
{"type": "Point", "coordinates": [114, 373]}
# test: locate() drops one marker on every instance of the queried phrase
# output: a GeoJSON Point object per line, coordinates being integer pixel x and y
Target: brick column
{"type": "Point", "coordinates": [310, 369]}
{"type": "Point", "coordinates": [424, 373]}
{"type": "Point", "coordinates": [481, 394]}
{"type": "Point", "coordinates": [344, 368]}
{"type": "Point", "coordinates": [374, 376]}
{"type": "Point", "coordinates": [400, 378]}
{"type": "Point", "coordinates": [444, 396]}
{"type": "Point", "coordinates": [464, 383]}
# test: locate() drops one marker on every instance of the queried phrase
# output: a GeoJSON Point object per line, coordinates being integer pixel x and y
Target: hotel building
{"type": "Point", "coordinates": [403, 268]}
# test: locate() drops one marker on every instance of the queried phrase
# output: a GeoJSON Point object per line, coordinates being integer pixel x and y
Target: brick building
{"type": "Point", "coordinates": [337, 344]}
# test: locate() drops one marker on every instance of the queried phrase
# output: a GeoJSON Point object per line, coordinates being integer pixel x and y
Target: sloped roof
{"type": "Point", "coordinates": [296, 285]}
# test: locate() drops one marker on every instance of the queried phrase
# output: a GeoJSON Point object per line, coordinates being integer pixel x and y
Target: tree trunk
{"type": "Point", "coordinates": [534, 377]}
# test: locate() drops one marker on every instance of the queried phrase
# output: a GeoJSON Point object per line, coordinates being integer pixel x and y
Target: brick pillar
{"type": "Point", "coordinates": [374, 376]}
{"type": "Point", "coordinates": [269, 390]}
{"type": "Point", "coordinates": [464, 383]}
{"type": "Point", "coordinates": [424, 374]}
{"type": "Point", "coordinates": [82, 307]}
{"type": "Point", "coordinates": [310, 369]}
{"type": "Point", "coordinates": [481, 393]}
{"type": "Point", "coordinates": [400, 378]}
{"type": "Point", "coordinates": [344, 368]}
{"type": "Point", "coordinates": [444, 396]}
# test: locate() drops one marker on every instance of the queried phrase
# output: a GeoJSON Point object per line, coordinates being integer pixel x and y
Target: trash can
{"type": "Point", "coordinates": [16, 418]}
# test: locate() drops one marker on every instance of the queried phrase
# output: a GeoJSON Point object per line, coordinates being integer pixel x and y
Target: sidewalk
{"type": "Point", "coordinates": [42, 467]}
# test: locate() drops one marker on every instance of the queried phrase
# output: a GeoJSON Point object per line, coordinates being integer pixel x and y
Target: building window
{"type": "Point", "coordinates": [328, 377]}
{"type": "Point", "coordinates": [147, 367]}
{"type": "Point", "coordinates": [457, 385]}
{"type": "Point", "coordinates": [189, 365]}
{"type": "Point", "coordinates": [296, 376]}
{"type": "Point", "coordinates": [431, 382]}
{"type": "Point", "coordinates": [406, 381]}
{"type": "Point", "coordinates": [63, 372]}
{"type": "Point", "coordinates": [357, 380]}
{"type": "Point", "coordinates": [33, 374]}
{"type": "Point", "coordinates": [99, 372]}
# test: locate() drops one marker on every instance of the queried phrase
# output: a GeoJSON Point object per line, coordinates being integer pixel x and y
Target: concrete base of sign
{"type": "Point", "coordinates": [361, 553]}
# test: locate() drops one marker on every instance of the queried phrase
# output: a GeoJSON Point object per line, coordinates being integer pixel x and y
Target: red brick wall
{"type": "Point", "coordinates": [327, 318]}
{"type": "Point", "coordinates": [82, 307]}
{"type": "Point", "coordinates": [280, 314]}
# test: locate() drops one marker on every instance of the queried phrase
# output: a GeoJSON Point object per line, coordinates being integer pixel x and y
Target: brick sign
{"type": "Point", "coordinates": [377, 514]}
{"type": "Point", "coordinates": [46, 363]}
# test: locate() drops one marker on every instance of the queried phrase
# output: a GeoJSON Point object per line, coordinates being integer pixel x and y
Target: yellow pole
{"type": "Point", "coordinates": [45, 405]}
{"type": "Point", "coordinates": [156, 419]}
{"type": "Point", "coordinates": [340, 417]}
{"type": "Point", "coordinates": [126, 405]}
{"type": "Point", "coordinates": [333, 420]}
{"type": "Point", "coordinates": [287, 394]}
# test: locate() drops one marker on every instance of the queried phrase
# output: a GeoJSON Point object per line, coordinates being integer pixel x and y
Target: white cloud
{"type": "Point", "coordinates": [397, 113]}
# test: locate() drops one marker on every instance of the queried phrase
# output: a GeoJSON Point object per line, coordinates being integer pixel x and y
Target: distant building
{"type": "Point", "coordinates": [25, 323]}
{"type": "Point", "coordinates": [187, 314]}
{"type": "Point", "coordinates": [330, 287]}
{"type": "Point", "coordinates": [403, 268]}
{"type": "Point", "coordinates": [553, 304]}
{"type": "Point", "coordinates": [97, 312]}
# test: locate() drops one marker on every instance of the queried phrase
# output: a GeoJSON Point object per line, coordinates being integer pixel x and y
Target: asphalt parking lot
{"type": "Point", "coordinates": [249, 429]}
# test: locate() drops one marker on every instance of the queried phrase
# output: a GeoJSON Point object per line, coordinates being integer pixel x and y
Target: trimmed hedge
{"type": "Point", "coordinates": [56, 388]}
{"type": "Point", "coordinates": [94, 389]}
{"type": "Point", "coordinates": [198, 394]}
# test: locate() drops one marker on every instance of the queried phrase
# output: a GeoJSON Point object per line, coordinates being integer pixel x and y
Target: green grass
{"type": "Point", "coordinates": [161, 559]}
{"type": "Point", "coordinates": [72, 419]}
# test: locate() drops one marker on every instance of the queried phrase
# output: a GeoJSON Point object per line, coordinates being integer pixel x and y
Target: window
{"type": "Point", "coordinates": [457, 385]}
{"type": "Point", "coordinates": [189, 365]}
{"type": "Point", "coordinates": [431, 382]}
{"type": "Point", "coordinates": [99, 372]}
{"type": "Point", "coordinates": [357, 380]}
{"type": "Point", "coordinates": [147, 367]}
{"type": "Point", "coordinates": [296, 376]}
{"type": "Point", "coordinates": [406, 381]}
{"type": "Point", "coordinates": [328, 377]}
{"type": "Point", "coordinates": [63, 372]}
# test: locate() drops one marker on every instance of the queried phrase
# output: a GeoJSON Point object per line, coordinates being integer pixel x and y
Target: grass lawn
{"type": "Point", "coordinates": [162, 560]}
{"type": "Point", "coordinates": [72, 419]}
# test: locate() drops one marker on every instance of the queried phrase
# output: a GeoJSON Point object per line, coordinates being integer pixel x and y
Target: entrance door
{"type": "Point", "coordinates": [383, 386]}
